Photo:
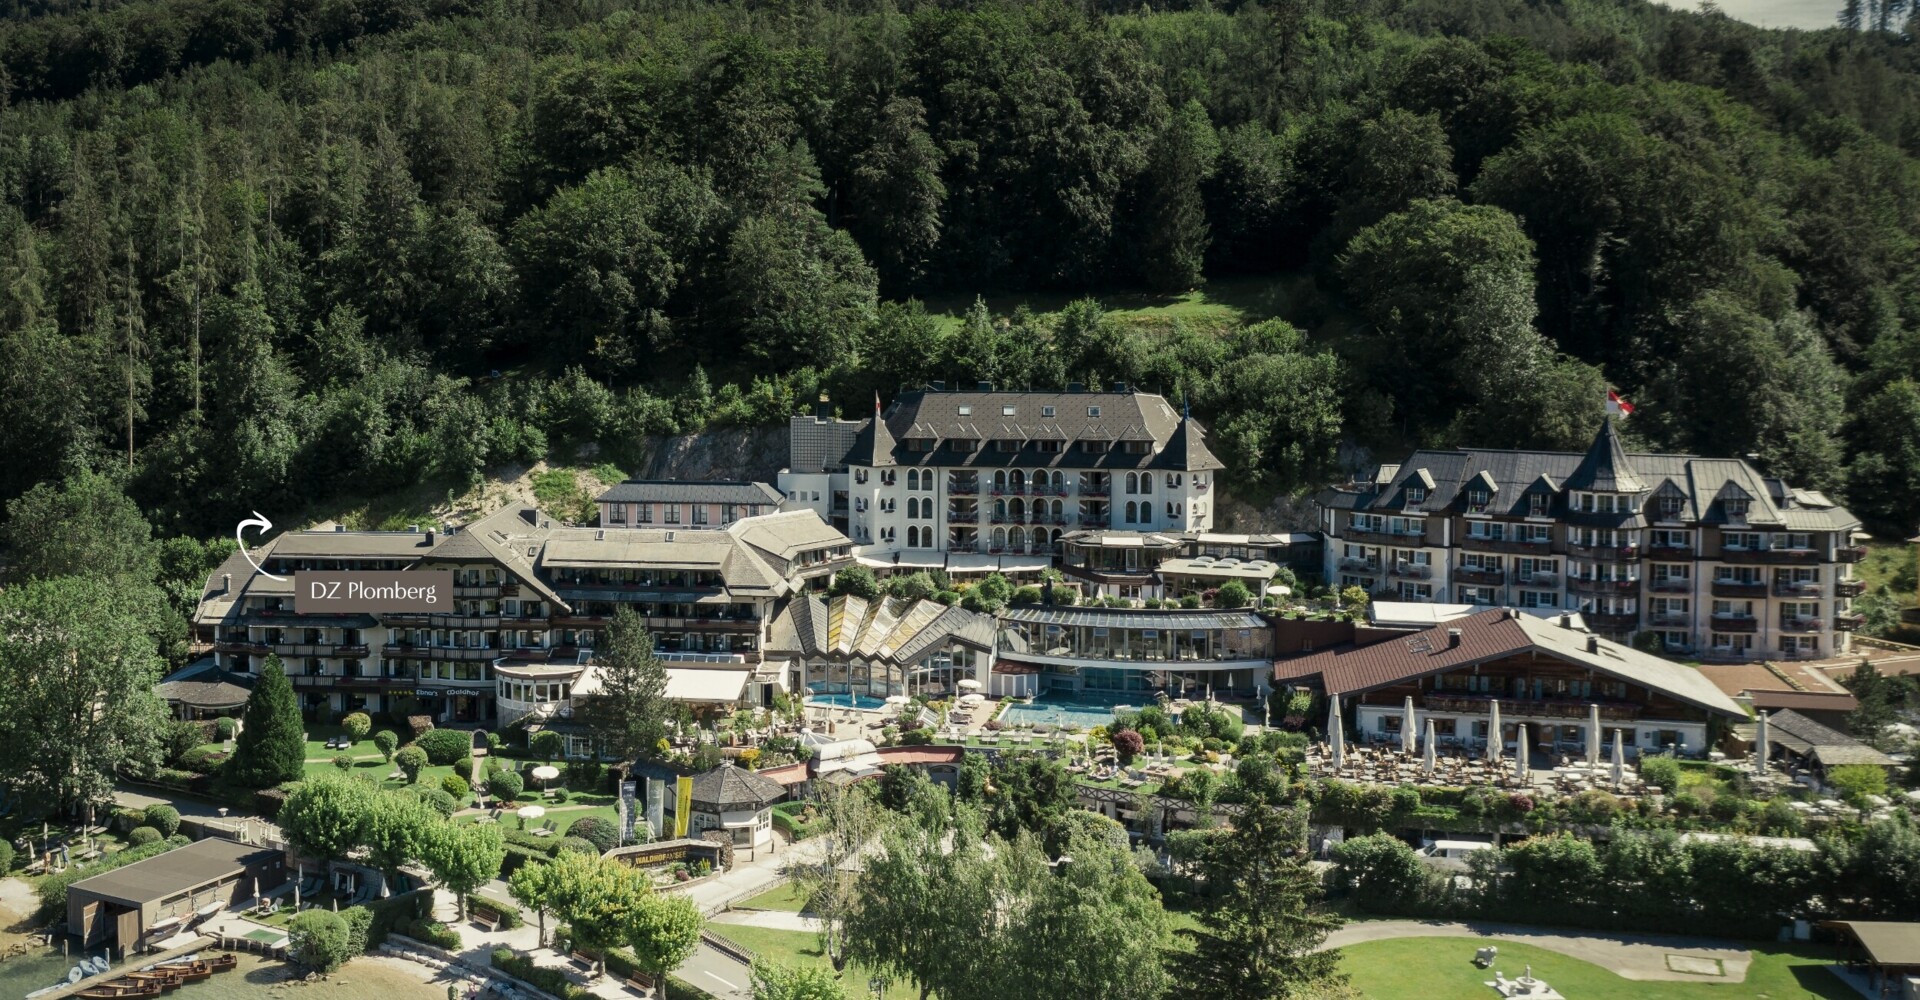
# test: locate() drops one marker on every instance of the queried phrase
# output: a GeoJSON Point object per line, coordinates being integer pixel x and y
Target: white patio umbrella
{"type": "Point", "coordinates": [529, 812]}
{"type": "Point", "coordinates": [1619, 761]}
{"type": "Point", "coordinates": [1427, 763]}
{"type": "Point", "coordinates": [545, 773]}
{"type": "Point", "coordinates": [1760, 748]}
{"type": "Point", "coordinates": [969, 684]}
{"type": "Point", "coordinates": [897, 699]}
{"type": "Point", "coordinates": [1520, 755]}
{"type": "Point", "coordinates": [1336, 737]}
{"type": "Point", "coordinates": [1593, 735]}
{"type": "Point", "coordinates": [1494, 743]}
{"type": "Point", "coordinates": [1407, 735]}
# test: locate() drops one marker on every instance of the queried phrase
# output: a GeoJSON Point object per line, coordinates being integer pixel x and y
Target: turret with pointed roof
{"type": "Point", "coordinates": [1187, 448]}
{"type": "Point", "coordinates": [1605, 468]}
{"type": "Point", "coordinates": [873, 444]}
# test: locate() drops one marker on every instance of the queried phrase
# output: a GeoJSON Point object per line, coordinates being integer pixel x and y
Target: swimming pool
{"type": "Point", "coordinates": [865, 703]}
{"type": "Point", "coordinates": [1059, 712]}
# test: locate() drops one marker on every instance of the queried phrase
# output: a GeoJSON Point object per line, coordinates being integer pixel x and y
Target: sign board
{"type": "Point", "coordinates": [656, 807]}
{"type": "Point", "coordinates": [376, 591]}
{"type": "Point", "coordinates": [683, 806]}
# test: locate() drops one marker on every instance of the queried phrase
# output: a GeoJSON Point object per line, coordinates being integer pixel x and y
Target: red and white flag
{"type": "Point", "coordinates": [1618, 407]}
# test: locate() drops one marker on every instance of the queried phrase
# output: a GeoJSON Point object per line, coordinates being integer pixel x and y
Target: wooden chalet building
{"type": "Point", "coordinates": [1543, 672]}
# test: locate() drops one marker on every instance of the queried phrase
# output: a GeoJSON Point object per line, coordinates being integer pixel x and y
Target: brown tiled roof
{"type": "Point", "coordinates": [1805, 701]}
{"type": "Point", "coordinates": [1492, 635]}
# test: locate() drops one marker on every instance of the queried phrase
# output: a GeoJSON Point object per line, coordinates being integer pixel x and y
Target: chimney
{"type": "Point", "coordinates": [430, 534]}
{"type": "Point", "coordinates": [339, 527]}
{"type": "Point", "coordinates": [1076, 387]}
{"type": "Point", "coordinates": [939, 387]}
{"type": "Point", "coordinates": [226, 583]}
{"type": "Point", "coordinates": [1593, 644]}
{"type": "Point", "coordinates": [985, 387]}
{"type": "Point", "coordinates": [1119, 387]}
{"type": "Point", "coordinates": [1566, 621]}
{"type": "Point", "coordinates": [1453, 637]}
{"type": "Point", "coordinates": [600, 535]}
{"type": "Point", "coordinates": [823, 408]}
{"type": "Point", "coordinates": [413, 529]}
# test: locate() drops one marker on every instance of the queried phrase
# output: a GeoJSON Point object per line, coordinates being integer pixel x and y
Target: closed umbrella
{"type": "Point", "coordinates": [1336, 736]}
{"type": "Point", "coordinates": [1593, 735]}
{"type": "Point", "coordinates": [1520, 755]}
{"type": "Point", "coordinates": [1760, 748]}
{"type": "Point", "coordinates": [1427, 764]}
{"type": "Point", "coordinates": [1619, 761]}
{"type": "Point", "coordinates": [1494, 743]}
{"type": "Point", "coordinates": [1407, 735]}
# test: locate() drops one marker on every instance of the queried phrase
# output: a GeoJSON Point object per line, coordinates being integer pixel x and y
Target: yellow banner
{"type": "Point", "coordinates": [683, 806]}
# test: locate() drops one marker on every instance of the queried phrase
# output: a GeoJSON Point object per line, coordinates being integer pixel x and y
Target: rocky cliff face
{"type": "Point", "coordinates": [750, 453]}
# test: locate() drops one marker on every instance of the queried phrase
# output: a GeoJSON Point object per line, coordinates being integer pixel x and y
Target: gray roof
{"type": "Point", "coordinates": [729, 787]}
{"type": "Point", "coordinates": [1823, 743]}
{"type": "Point", "coordinates": [683, 491]}
{"type": "Point", "coordinates": [173, 872]}
{"type": "Point", "coordinates": [983, 416]}
{"type": "Point", "coordinates": [1702, 484]}
{"type": "Point", "coordinates": [203, 685]}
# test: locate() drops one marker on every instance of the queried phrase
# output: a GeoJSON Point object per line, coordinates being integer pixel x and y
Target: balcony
{"type": "Point", "coordinates": [287, 649]}
{"type": "Point", "coordinates": [441, 652]}
{"type": "Point", "coordinates": [1850, 553]}
{"type": "Point", "coordinates": [1356, 532]}
{"type": "Point", "coordinates": [1848, 621]}
{"type": "Point", "coordinates": [1734, 623]}
{"type": "Point", "coordinates": [1586, 585]}
{"type": "Point", "coordinates": [1612, 621]}
{"type": "Point", "coordinates": [1537, 580]}
{"type": "Point", "coordinates": [1411, 571]}
{"type": "Point", "coordinates": [1670, 619]}
{"type": "Point", "coordinates": [1480, 577]}
{"type": "Point", "coordinates": [1360, 565]}
{"type": "Point", "coordinates": [1468, 704]}
{"type": "Point", "coordinates": [1606, 553]}
{"type": "Point", "coordinates": [1797, 588]}
{"type": "Point", "coordinates": [968, 514]}
{"type": "Point", "coordinates": [1849, 588]}
{"type": "Point", "coordinates": [1095, 489]}
{"type": "Point", "coordinates": [963, 487]}
{"type": "Point", "coordinates": [1481, 543]}
{"type": "Point", "coordinates": [1808, 557]}
{"type": "Point", "coordinates": [1669, 551]}
{"type": "Point", "coordinates": [1803, 625]}
{"type": "Point", "coordinates": [1739, 588]}
{"type": "Point", "coordinates": [477, 590]}
{"type": "Point", "coordinates": [1671, 585]}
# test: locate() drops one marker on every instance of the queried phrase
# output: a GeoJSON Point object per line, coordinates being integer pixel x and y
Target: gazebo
{"type": "Point", "coordinates": [203, 691]}
{"type": "Point", "coordinates": [737, 801]}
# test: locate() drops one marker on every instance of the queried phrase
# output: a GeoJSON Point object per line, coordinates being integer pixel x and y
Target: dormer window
{"type": "Point", "coordinates": [964, 444]}
{"type": "Point", "coordinates": [1736, 508]}
{"type": "Point", "coordinates": [966, 411]}
{"type": "Point", "coordinates": [920, 444]}
{"type": "Point", "coordinates": [1537, 504]}
{"type": "Point", "coordinates": [1006, 444]}
{"type": "Point", "coordinates": [1477, 500]}
{"type": "Point", "coordinates": [1046, 411]}
{"type": "Point", "coordinates": [1093, 411]}
{"type": "Point", "coordinates": [1007, 411]}
{"type": "Point", "coordinates": [1671, 506]}
{"type": "Point", "coordinates": [1095, 447]}
{"type": "Point", "coordinates": [1136, 447]}
{"type": "Point", "coordinates": [1416, 495]}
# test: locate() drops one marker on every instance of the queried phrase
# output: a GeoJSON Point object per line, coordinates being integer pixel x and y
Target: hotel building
{"type": "Point", "coordinates": [1709, 556]}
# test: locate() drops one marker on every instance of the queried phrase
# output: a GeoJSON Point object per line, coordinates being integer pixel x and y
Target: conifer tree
{"type": "Point", "coordinates": [271, 747]}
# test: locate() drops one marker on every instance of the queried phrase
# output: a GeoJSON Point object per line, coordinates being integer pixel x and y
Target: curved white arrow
{"type": "Point", "coordinates": [257, 521]}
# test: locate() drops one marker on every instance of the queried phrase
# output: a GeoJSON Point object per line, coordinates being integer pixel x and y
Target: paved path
{"type": "Point", "coordinates": [1631, 956]}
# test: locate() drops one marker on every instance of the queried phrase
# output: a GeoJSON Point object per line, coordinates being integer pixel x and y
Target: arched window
{"type": "Point", "coordinates": [1173, 510]}
{"type": "Point", "coordinates": [1131, 508]}
{"type": "Point", "coordinates": [1133, 486]}
{"type": "Point", "coordinates": [1146, 483]}
{"type": "Point", "coordinates": [1016, 480]}
{"type": "Point", "coordinates": [1040, 479]}
{"type": "Point", "coordinates": [999, 538]}
{"type": "Point", "coordinates": [999, 479]}
{"type": "Point", "coordinates": [1056, 510]}
{"type": "Point", "coordinates": [913, 479]}
{"type": "Point", "coordinates": [1017, 509]}
{"type": "Point", "coordinates": [1017, 539]}
{"type": "Point", "coordinates": [1053, 539]}
{"type": "Point", "coordinates": [913, 537]}
{"type": "Point", "coordinates": [1000, 509]}
{"type": "Point", "coordinates": [913, 507]}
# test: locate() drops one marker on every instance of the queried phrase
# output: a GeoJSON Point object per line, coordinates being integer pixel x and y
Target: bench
{"type": "Point", "coordinates": [639, 983]}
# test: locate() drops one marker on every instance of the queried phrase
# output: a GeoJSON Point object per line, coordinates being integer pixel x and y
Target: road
{"type": "Point", "coordinates": [718, 973]}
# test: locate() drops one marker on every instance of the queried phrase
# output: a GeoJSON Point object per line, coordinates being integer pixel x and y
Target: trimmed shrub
{"type": "Point", "coordinates": [457, 787]}
{"type": "Point", "coordinates": [577, 845]}
{"type": "Point", "coordinates": [446, 746]}
{"type": "Point", "coordinates": [318, 939]}
{"type": "Point", "coordinates": [357, 725]}
{"type": "Point", "coordinates": [163, 818]}
{"type": "Point", "coordinates": [359, 921]}
{"type": "Point", "coordinates": [411, 759]}
{"type": "Point", "coordinates": [604, 836]}
{"type": "Point", "coordinates": [505, 786]}
{"type": "Point", "coordinates": [436, 799]}
{"type": "Point", "coordinates": [223, 728]}
{"type": "Point", "coordinates": [434, 933]}
{"type": "Point", "coordinates": [202, 760]}
{"type": "Point", "coordinates": [143, 835]}
{"type": "Point", "coordinates": [548, 980]}
{"type": "Point", "coordinates": [558, 795]}
{"type": "Point", "coordinates": [127, 819]}
{"type": "Point", "coordinates": [386, 741]}
{"type": "Point", "coordinates": [1661, 771]}
{"type": "Point", "coordinates": [343, 762]}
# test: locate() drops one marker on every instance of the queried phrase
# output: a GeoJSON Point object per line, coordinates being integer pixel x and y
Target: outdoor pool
{"type": "Point", "coordinates": [865, 703]}
{"type": "Point", "coordinates": [1059, 711]}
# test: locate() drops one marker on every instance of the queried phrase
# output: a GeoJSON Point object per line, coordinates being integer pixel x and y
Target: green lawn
{"type": "Point", "coordinates": [1220, 305]}
{"type": "Point", "coordinates": [786, 896]}
{"type": "Point", "coordinates": [1443, 969]}
{"type": "Point", "coordinates": [803, 948]}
